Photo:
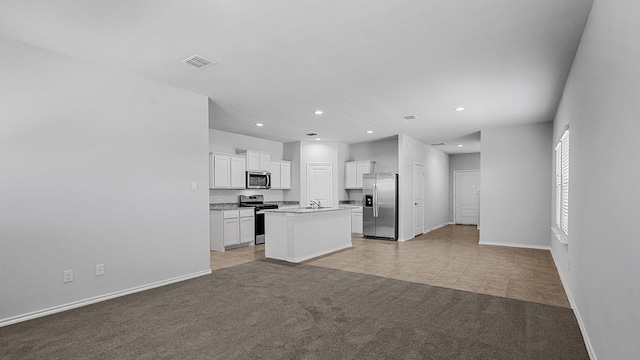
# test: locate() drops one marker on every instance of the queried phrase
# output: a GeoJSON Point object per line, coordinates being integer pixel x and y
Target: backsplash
{"type": "Point", "coordinates": [218, 196]}
{"type": "Point", "coordinates": [351, 202]}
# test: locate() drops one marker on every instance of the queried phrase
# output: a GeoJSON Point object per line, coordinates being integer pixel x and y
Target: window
{"type": "Point", "coordinates": [562, 184]}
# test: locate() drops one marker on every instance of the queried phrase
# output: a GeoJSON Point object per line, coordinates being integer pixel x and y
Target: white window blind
{"type": "Point", "coordinates": [558, 184]}
{"type": "Point", "coordinates": [564, 221]}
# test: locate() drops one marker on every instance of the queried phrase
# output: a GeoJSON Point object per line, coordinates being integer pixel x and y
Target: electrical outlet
{"type": "Point", "coordinates": [194, 185]}
{"type": "Point", "coordinates": [67, 276]}
{"type": "Point", "coordinates": [99, 269]}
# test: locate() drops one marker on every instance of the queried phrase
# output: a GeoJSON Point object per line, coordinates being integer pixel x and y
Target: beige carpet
{"type": "Point", "coordinates": [269, 310]}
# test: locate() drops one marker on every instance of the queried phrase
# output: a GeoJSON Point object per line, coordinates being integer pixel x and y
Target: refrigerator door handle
{"type": "Point", "coordinates": [375, 199]}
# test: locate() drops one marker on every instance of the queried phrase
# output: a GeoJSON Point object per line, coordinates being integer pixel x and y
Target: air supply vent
{"type": "Point", "coordinates": [409, 117]}
{"type": "Point", "coordinates": [312, 134]}
{"type": "Point", "coordinates": [438, 144]}
{"type": "Point", "coordinates": [199, 62]}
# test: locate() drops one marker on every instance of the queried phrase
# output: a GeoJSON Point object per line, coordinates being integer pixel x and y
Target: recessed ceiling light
{"type": "Point", "coordinates": [458, 109]}
{"type": "Point", "coordinates": [259, 124]}
{"type": "Point", "coordinates": [460, 145]}
{"type": "Point", "coordinates": [369, 131]}
{"type": "Point", "coordinates": [318, 139]}
{"type": "Point", "coordinates": [318, 112]}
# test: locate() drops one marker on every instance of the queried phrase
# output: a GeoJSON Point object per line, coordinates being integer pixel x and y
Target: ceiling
{"type": "Point", "coordinates": [365, 63]}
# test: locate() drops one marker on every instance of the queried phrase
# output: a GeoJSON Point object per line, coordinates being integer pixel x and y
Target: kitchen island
{"type": "Point", "coordinates": [299, 234]}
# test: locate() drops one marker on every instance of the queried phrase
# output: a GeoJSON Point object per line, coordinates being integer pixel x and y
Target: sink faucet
{"type": "Point", "coordinates": [315, 203]}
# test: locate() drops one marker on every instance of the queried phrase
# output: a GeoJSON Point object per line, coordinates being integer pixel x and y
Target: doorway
{"type": "Point", "coordinates": [418, 199]}
{"type": "Point", "coordinates": [466, 196]}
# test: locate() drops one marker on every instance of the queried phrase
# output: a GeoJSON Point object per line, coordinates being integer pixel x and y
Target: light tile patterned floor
{"type": "Point", "coordinates": [220, 260]}
{"type": "Point", "coordinates": [449, 257]}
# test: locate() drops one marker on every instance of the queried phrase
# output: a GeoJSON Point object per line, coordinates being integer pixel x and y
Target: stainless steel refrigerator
{"type": "Point", "coordinates": [380, 206]}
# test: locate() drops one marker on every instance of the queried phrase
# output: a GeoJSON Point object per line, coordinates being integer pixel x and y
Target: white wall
{"type": "Point", "coordinates": [229, 143]}
{"type": "Point", "coordinates": [291, 151]}
{"type": "Point", "coordinates": [515, 181]}
{"type": "Point", "coordinates": [383, 152]}
{"type": "Point", "coordinates": [344, 151]}
{"type": "Point", "coordinates": [600, 105]}
{"type": "Point", "coordinates": [96, 169]}
{"type": "Point", "coordinates": [320, 152]}
{"type": "Point", "coordinates": [460, 162]}
{"type": "Point", "coordinates": [436, 165]}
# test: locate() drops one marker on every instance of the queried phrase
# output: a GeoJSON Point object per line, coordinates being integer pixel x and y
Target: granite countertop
{"type": "Point", "coordinates": [299, 210]}
{"type": "Point", "coordinates": [350, 206]}
{"type": "Point", "coordinates": [225, 206]}
{"type": "Point", "coordinates": [235, 206]}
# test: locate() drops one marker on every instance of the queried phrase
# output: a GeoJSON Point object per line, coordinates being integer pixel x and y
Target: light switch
{"type": "Point", "coordinates": [194, 185]}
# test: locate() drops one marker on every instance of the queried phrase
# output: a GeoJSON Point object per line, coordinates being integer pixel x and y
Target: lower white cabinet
{"type": "Point", "coordinates": [231, 228]}
{"type": "Point", "coordinates": [356, 221]}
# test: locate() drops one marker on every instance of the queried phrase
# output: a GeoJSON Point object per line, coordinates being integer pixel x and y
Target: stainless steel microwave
{"type": "Point", "coordinates": [258, 180]}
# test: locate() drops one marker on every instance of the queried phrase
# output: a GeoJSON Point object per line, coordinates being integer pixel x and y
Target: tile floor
{"type": "Point", "coordinates": [448, 257]}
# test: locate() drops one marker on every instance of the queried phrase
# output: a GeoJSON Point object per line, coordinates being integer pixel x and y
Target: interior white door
{"type": "Point", "coordinates": [418, 199]}
{"type": "Point", "coordinates": [466, 197]}
{"type": "Point", "coordinates": [320, 184]}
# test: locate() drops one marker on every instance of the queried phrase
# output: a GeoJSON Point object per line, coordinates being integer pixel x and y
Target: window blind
{"type": "Point", "coordinates": [564, 214]}
{"type": "Point", "coordinates": [558, 153]}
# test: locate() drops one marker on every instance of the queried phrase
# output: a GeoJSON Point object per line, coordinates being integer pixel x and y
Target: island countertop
{"type": "Point", "coordinates": [299, 234]}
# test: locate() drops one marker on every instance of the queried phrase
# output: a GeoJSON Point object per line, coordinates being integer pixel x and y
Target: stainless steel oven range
{"type": "Point", "coordinates": [257, 202]}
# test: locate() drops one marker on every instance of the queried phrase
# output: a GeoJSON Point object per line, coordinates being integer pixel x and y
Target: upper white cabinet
{"type": "Point", "coordinates": [227, 171]}
{"type": "Point", "coordinates": [256, 160]}
{"type": "Point", "coordinates": [280, 174]}
{"type": "Point", "coordinates": [353, 171]}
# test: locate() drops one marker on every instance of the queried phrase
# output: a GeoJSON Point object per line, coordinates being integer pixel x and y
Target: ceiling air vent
{"type": "Point", "coordinates": [410, 117]}
{"type": "Point", "coordinates": [312, 134]}
{"type": "Point", "coordinates": [199, 62]}
{"type": "Point", "coordinates": [438, 144]}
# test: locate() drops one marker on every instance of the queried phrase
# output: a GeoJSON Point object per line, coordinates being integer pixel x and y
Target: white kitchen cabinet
{"type": "Point", "coordinates": [238, 172]}
{"type": "Point", "coordinates": [256, 160]}
{"type": "Point", "coordinates": [350, 175]}
{"type": "Point", "coordinates": [247, 228]}
{"type": "Point", "coordinates": [230, 228]}
{"type": "Point", "coordinates": [353, 172]}
{"type": "Point", "coordinates": [285, 174]}
{"type": "Point", "coordinates": [280, 174]}
{"type": "Point", "coordinates": [231, 232]}
{"type": "Point", "coordinates": [227, 171]}
{"type": "Point", "coordinates": [356, 221]}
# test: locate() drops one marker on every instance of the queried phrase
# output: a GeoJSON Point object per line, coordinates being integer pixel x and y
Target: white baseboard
{"type": "Point", "coordinates": [428, 231]}
{"type": "Point", "coordinates": [576, 312]}
{"type": "Point", "coordinates": [516, 245]}
{"type": "Point", "coordinates": [93, 300]}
